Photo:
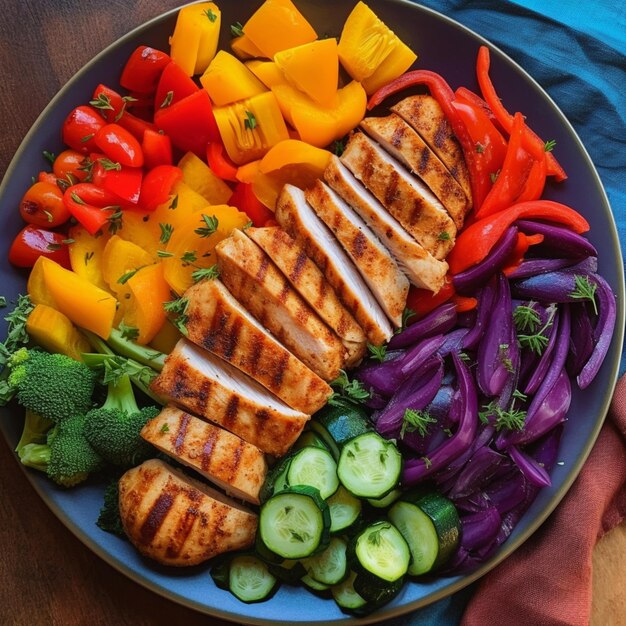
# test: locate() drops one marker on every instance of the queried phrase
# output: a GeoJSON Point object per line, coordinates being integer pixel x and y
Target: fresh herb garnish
{"type": "Point", "coordinates": [164, 254]}
{"type": "Point", "coordinates": [166, 232]}
{"type": "Point", "coordinates": [513, 419]}
{"type": "Point", "coordinates": [188, 257]}
{"type": "Point", "coordinates": [74, 196]}
{"type": "Point", "coordinates": [165, 428]}
{"type": "Point", "coordinates": [444, 235]}
{"type": "Point", "coordinates": [49, 156]}
{"type": "Point", "coordinates": [585, 290]}
{"type": "Point", "coordinates": [88, 257]}
{"type": "Point", "coordinates": [528, 320]}
{"type": "Point", "coordinates": [86, 138]}
{"type": "Point", "coordinates": [377, 352]}
{"type": "Point", "coordinates": [347, 391]}
{"type": "Point", "coordinates": [427, 462]}
{"type": "Point", "coordinates": [211, 224]}
{"type": "Point", "coordinates": [128, 332]}
{"type": "Point", "coordinates": [338, 147]}
{"type": "Point", "coordinates": [174, 203]}
{"type": "Point", "coordinates": [16, 330]}
{"type": "Point", "coordinates": [206, 273]}
{"type": "Point", "coordinates": [375, 536]}
{"type": "Point", "coordinates": [169, 96]}
{"type": "Point", "coordinates": [102, 102]}
{"type": "Point", "coordinates": [479, 147]}
{"type": "Point", "coordinates": [416, 421]}
{"type": "Point", "coordinates": [250, 122]}
{"type": "Point", "coordinates": [236, 29]}
{"type": "Point", "coordinates": [124, 278]}
{"type": "Point", "coordinates": [109, 165]}
{"type": "Point", "coordinates": [178, 311]}
{"type": "Point", "coordinates": [505, 359]}
{"type": "Point", "coordinates": [211, 15]}
{"type": "Point", "coordinates": [494, 176]}
{"type": "Point", "coordinates": [53, 247]}
{"type": "Point", "coordinates": [549, 145]}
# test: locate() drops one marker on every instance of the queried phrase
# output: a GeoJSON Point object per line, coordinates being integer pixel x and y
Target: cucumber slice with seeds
{"type": "Point", "coordinates": [314, 467]}
{"type": "Point", "coordinates": [295, 523]}
{"type": "Point", "coordinates": [344, 510]}
{"type": "Point", "coordinates": [369, 466]}
{"type": "Point", "coordinates": [250, 580]}
{"type": "Point", "coordinates": [329, 567]}
{"type": "Point", "coordinates": [346, 597]}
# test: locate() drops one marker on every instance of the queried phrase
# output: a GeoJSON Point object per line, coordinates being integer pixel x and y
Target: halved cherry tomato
{"type": "Point", "coordinates": [135, 125]}
{"type": "Point", "coordinates": [32, 242]}
{"type": "Point", "coordinates": [157, 149]}
{"type": "Point", "coordinates": [219, 162]}
{"type": "Point", "coordinates": [190, 123]}
{"type": "Point", "coordinates": [80, 128]}
{"type": "Point", "coordinates": [244, 199]}
{"type": "Point", "coordinates": [143, 69]}
{"type": "Point", "coordinates": [174, 80]}
{"type": "Point", "coordinates": [138, 100]}
{"type": "Point", "coordinates": [42, 205]}
{"type": "Point", "coordinates": [124, 182]}
{"type": "Point", "coordinates": [108, 103]}
{"type": "Point", "coordinates": [70, 163]}
{"type": "Point", "coordinates": [157, 185]}
{"type": "Point", "coordinates": [47, 177]}
{"type": "Point", "coordinates": [119, 145]}
{"type": "Point", "coordinates": [92, 206]}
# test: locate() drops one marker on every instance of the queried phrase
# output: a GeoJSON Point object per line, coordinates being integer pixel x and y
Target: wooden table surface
{"type": "Point", "coordinates": [46, 575]}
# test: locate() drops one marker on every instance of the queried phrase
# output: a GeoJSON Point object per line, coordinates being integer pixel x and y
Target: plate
{"type": "Point", "coordinates": [445, 47]}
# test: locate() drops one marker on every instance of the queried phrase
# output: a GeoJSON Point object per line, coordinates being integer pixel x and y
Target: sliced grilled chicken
{"type": "Point", "coordinates": [424, 114]}
{"type": "Point", "coordinates": [306, 278]}
{"type": "Point", "coordinates": [218, 323]}
{"type": "Point", "coordinates": [263, 290]}
{"type": "Point", "coordinates": [402, 142]}
{"type": "Point", "coordinates": [402, 194]}
{"type": "Point", "coordinates": [234, 465]}
{"type": "Point", "coordinates": [421, 267]}
{"type": "Point", "coordinates": [381, 273]}
{"type": "Point", "coordinates": [207, 386]}
{"type": "Point", "coordinates": [179, 521]}
{"type": "Point", "coordinates": [299, 220]}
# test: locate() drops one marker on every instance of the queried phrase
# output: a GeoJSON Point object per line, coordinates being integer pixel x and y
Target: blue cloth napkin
{"type": "Point", "coordinates": [578, 55]}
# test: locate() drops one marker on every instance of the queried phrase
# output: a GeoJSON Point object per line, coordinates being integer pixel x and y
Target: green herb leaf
{"type": "Point", "coordinates": [88, 257]}
{"type": "Point", "coordinates": [250, 122]}
{"type": "Point", "coordinates": [416, 421]}
{"type": "Point", "coordinates": [505, 359]}
{"type": "Point", "coordinates": [374, 537]}
{"type": "Point", "coordinates": [211, 15]}
{"type": "Point", "coordinates": [16, 335]}
{"type": "Point", "coordinates": [128, 332]}
{"type": "Point", "coordinates": [526, 318]}
{"type": "Point", "coordinates": [427, 462]}
{"type": "Point", "coordinates": [164, 254]}
{"type": "Point", "coordinates": [188, 257]}
{"type": "Point", "coordinates": [479, 147]}
{"type": "Point", "coordinates": [494, 176]}
{"type": "Point", "coordinates": [124, 278]}
{"type": "Point", "coordinates": [177, 309]}
{"type": "Point", "coordinates": [174, 203]}
{"type": "Point", "coordinates": [165, 428]}
{"type": "Point", "coordinates": [49, 156]}
{"type": "Point", "coordinates": [377, 352]}
{"type": "Point", "coordinates": [338, 147]}
{"type": "Point", "coordinates": [86, 138]}
{"type": "Point", "coordinates": [115, 219]}
{"type": "Point", "coordinates": [444, 235]}
{"type": "Point", "coordinates": [48, 215]}
{"type": "Point", "coordinates": [585, 290]}
{"type": "Point", "coordinates": [3, 302]}
{"type": "Point", "coordinates": [169, 96]}
{"type": "Point", "coordinates": [109, 165]}
{"type": "Point", "coordinates": [102, 102]}
{"type": "Point", "coordinates": [206, 273]}
{"type": "Point", "coordinates": [74, 196]}
{"type": "Point", "coordinates": [211, 224]}
{"type": "Point", "coordinates": [166, 232]}
{"type": "Point", "coordinates": [347, 392]}
{"type": "Point", "coordinates": [53, 247]}
{"type": "Point", "coordinates": [549, 145]}
{"type": "Point", "coordinates": [236, 29]}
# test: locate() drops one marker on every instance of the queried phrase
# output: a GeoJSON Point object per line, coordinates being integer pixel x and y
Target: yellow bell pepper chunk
{"type": "Point", "coordinates": [199, 177]}
{"type": "Point", "coordinates": [228, 80]}
{"type": "Point", "coordinates": [249, 128]}
{"type": "Point", "coordinates": [54, 332]}
{"type": "Point", "coordinates": [317, 125]}
{"type": "Point", "coordinates": [120, 260]}
{"type": "Point", "coordinates": [267, 72]}
{"type": "Point", "coordinates": [398, 62]}
{"type": "Point", "coordinates": [365, 42]}
{"type": "Point", "coordinates": [192, 243]}
{"type": "Point", "coordinates": [86, 255]}
{"type": "Point", "coordinates": [277, 25]}
{"type": "Point", "coordinates": [313, 68]}
{"type": "Point", "coordinates": [244, 48]}
{"type": "Point", "coordinates": [83, 303]}
{"type": "Point", "coordinates": [248, 172]}
{"type": "Point", "coordinates": [167, 337]}
{"type": "Point", "coordinates": [194, 42]}
{"type": "Point", "coordinates": [144, 309]}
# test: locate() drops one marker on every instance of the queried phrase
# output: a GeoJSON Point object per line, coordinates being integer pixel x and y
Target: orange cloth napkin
{"type": "Point", "coordinates": [547, 581]}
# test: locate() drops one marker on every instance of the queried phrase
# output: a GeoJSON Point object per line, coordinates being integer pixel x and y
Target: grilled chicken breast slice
{"type": "Point", "coordinates": [295, 215]}
{"type": "Point", "coordinates": [402, 194]}
{"type": "Point", "coordinates": [218, 323]}
{"type": "Point", "coordinates": [421, 267]}
{"type": "Point", "coordinates": [263, 290]}
{"type": "Point", "coordinates": [211, 388]}
{"type": "Point", "coordinates": [403, 143]}
{"type": "Point", "coordinates": [424, 114]}
{"type": "Point", "coordinates": [307, 279]}
{"type": "Point", "coordinates": [381, 273]}
{"type": "Point", "coordinates": [179, 521]}
{"type": "Point", "coordinates": [234, 465]}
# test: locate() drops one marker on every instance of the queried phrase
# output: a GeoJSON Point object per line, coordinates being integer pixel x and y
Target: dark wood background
{"type": "Point", "coordinates": [47, 577]}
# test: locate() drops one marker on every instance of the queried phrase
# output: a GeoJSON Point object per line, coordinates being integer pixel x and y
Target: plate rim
{"type": "Point", "coordinates": [509, 546]}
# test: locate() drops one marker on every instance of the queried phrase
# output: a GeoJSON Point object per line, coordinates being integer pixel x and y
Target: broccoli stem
{"type": "Point", "coordinates": [130, 349]}
{"type": "Point", "coordinates": [35, 455]}
{"type": "Point", "coordinates": [120, 396]}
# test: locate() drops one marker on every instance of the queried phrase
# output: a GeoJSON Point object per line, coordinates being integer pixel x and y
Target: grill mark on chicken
{"type": "Point", "coordinates": [182, 530]}
{"type": "Point", "coordinates": [156, 515]}
{"type": "Point", "coordinates": [237, 452]}
{"type": "Point", "coordinates": [298, 267]}
{"type": "Point", "coordinates": [203, 393]}
{"type": "Point", "coordinates": [280, 367]}
{"type": "Point", "coordinates": [441, 134]}
{"type": "Point", "coordinates": [181, 432]}
{"type": "Point", "coordinates": [397, 137]}
{"type": "Point", "coordinates": [232, 339]}
{"type": "Point", "coordinates": [207, 449]}
{"type": "Point", "coordinates": [424, 159]}
{"type": "Point", "coordinates": [231, 412]}
{"type": "Point", "coordinates": [255, 355]}
{"type": "Point", "coordinates": [263, 269]}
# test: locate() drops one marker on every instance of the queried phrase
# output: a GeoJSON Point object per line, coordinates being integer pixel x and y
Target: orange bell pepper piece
{"type": "Point", "coordinates": [86, 255]}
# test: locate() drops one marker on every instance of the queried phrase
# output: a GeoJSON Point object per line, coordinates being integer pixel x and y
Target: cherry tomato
{"type": "Point", "coordinates": [174, 80]}
{"type": "Point", "coordinates": [135, 125]}
{"type": "Point", "coordinates": [157, 185]}
{"type": "Point", "coordinates": [80, 128]}
{"type": "Point", "coordinates": [108, 103]}
{"type": "Point", "coordinates": [69, 163]}
{"type": "Point", "coordinates": [32, 242]}
{"type": "Point", "coordinates": [157, 149]}
{"type": "Point", "coordinates": [92, 206]}
{"type": "Point", "coordinates": [124, 182]}
{"type": "Point", "coordinates": [42, 205]}
{"type": "Point", "coordinates": [143, 69]}
{"type": "Point", "coordinates": [47, 177]}
{"type": "Point", "coordinates": [119, 145]}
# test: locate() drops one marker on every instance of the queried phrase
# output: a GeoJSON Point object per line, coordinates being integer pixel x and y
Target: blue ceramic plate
{"type": "Point", "coordinates": [443, 46]}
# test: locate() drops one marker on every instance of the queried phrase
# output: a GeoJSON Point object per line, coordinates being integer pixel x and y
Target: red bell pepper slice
{"type": "Point", "coordinates": [143, 70]}
{"type": "Point", "coordinates": [533, 189]}
{"type": "Point", "coordinates": [489, 145]}
{"type": "Point", "coordinates": [423, 301]}
{"type": "Point", "coordinates": [190, 123]}
{"type": "Point", "coordinates": [175, 81]}
{"type": "Point", "coordinates": [512, 178]}
{"type": "Point", "coordinates": [32, 242]}
{"type": "Point", "coordinates": [444, 95]}
{"type": "Point", "coordinates": [476, 241]}
{"type": "Point", "coordinates": [466, 95]}
{"type": "Point", "coordinates": [108, 103]}
{"type": "Point", "coordinates": [219, 162]}
{"type": "Point", "coordinates": [119, 145]}
{"type": "Point", "coordinates": [518, 253]}
{"type": "Point", "coordinates": [157, 185]}
{"type": "Point", "coordinates": [80, 128]}
{"type": "Point", "coordinates": [135, 125]}
{"type": "Point", "coordinates": [124, 182]}
{"type": "Point", "coordinates": [463, 304]}
{"type": "Point", "coordinates": [157, 149]}
{"type": "Point", "coordinates": [244, 199]}
{"type": "Point", "coordinates": [92, 206]}
{"type": "Point", "coordinates": [532, 142]}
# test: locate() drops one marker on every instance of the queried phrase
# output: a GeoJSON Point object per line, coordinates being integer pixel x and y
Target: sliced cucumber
{"type": "Point", "coordinates": [250, 580]}
{"type": "Point", "coordinates": [344, 510]}
{"type": "Point", "coordinates": [344, 423]}
{"type": "Point", "coordinates": [295, 523]}
{"type": "Point", "coordinates": [309, 438]}
{"type": "Point", "coordinates": [314, 467]}
{"type": "Point", "coordinates": [276, 479]}
{"type": "Point", "coordinates": [376, 591]}
{"type": "Point", "coordinates": [313, 584]}
{"type": "Point", "coordinates": [325, 436]}
{"type": "Point", "coordinates": [289, 571]}
{"type": "Point", "coordinates": [381, 551]}
{"type": "Point", "coordinates": [430, 524]}
{"type": "Point", "coordinates": [346, 597]}
{"type": "Point", "coordinates": [369, 466]}
{"type": "Point", "coordinates": [385, 501]}
{"type": "Point", "coordinates": [329, 567]}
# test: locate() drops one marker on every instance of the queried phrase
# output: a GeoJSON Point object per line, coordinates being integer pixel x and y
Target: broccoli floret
{"type": "Point", "coordinates": [109, 519]}
{"type": "Point", "coordinates": [113, 429]}
{"type": "Point", "coordinates": [35, 430]}
{"type": "Point", "coordinates": [66, 457]}
{"type": "Point", "coordinates": [54, 386]}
